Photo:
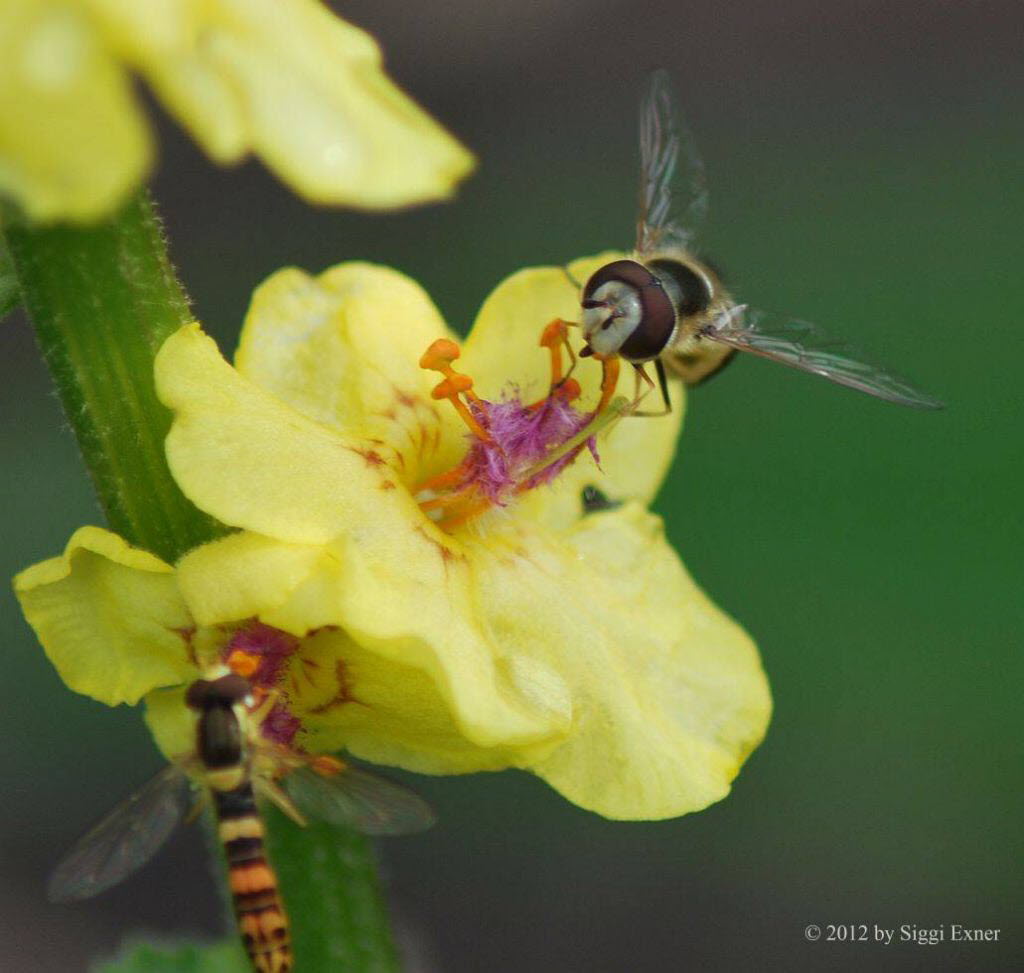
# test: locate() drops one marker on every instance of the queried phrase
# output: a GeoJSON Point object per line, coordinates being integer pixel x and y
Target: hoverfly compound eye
{"type": "Point", "coordinates": [627, 310]}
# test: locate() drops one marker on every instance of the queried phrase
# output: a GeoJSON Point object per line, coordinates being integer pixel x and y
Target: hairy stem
{"type": "Point", "coordinates": [102, 300]}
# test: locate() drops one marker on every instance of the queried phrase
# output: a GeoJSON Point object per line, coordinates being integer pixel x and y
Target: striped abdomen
{"type": "Point", "coordinates": [261, 917]}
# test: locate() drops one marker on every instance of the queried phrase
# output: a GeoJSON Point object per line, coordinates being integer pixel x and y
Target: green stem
{"type": "Point", "coordinates": [10, 293]}
{"type": "Point", "coordinates": [330, 877]}
{"type": "Point", "coordinates": [102, 300]}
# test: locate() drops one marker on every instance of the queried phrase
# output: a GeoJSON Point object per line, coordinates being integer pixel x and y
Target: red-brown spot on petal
{"type": "Point", "coordinates": [372, 457]}
{"type": "Point", "coordinates": [447, 555]}
{"type": "Point", "coordinates": [343, 695]}
{"type": "Point", "coordinates": [188, 634]}
{"type": "Point", "coordinates": [320, 628]}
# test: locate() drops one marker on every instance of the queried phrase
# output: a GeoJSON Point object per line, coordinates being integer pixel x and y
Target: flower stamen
{"type": "Point", "coordinates": [241, 663]}
{"type": "Point", "coordinates": [555, 337]}
{"type": "Point", "coordinates": [515, 446]}
{"type": "Point", "coordinates": [438, 358]}
{"type": "Point", "coordinates": [609, 380]}
{"type": "Point", "coordinates": [326, 765]}
{"type": "Point", "coordinates": [468, 512]}
{"type": "Point", "coordinates": [442, 481]}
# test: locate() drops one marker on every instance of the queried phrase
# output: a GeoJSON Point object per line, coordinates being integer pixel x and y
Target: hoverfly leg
{"type": "Point", "coordinates": [572, 358]}
{"type": "Point", "coordinates": [270, 790]}
{"type": "Point", "coordinates": [659, 369]}
{"type": "Point", "coordinates": [201, 804]}
{"type": "Point", "coordinates": [641, 374]}
{"type": "Point", "coordinates": [572, 280]}
{"type": "Point", "coordinates": [270, 699]}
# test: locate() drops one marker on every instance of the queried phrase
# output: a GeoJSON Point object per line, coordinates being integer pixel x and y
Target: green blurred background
{"type": "Point", "coordinates": [865, 167]}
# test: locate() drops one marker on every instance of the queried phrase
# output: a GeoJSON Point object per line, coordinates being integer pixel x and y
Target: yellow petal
{"type": "Point", "coordinates": [73, 143]}
{"type": "Point", "coordinates": [343, 348]}
{"type": "Point", "coordinates": [295, 84]}
{"type": "Point", "coordinates": [109, 617]}
{"type": "Point", "coordinates": [502, 349]}
{"type": "Point", "coordinates": [380, 710]}
{"type": "Point", "coordinates": [243, 576]}
{"type": "Point", "coordinates": [167, 41]}
{"type": "Point", "coordinates": [397, 593]}
{"type": "Point", "coordinates": [171, 722]}
{"type": "Point", "coordinates": [668, 693]}
{"type": "Point", "coordinates": [255, 463]}
{"type": "Point", "coordinates": [408, 606]}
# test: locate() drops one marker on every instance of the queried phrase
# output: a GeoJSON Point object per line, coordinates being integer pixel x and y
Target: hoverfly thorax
{"type": "Point", "coordinates": [221, 704]}
{"type": "Point", "coordinates": [700, 301]}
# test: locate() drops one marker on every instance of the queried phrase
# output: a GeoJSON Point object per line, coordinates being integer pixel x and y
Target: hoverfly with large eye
{"type": "Point", "coordinates": [231, 765]}
{"type": "Point", "coordinates": [665, 305]}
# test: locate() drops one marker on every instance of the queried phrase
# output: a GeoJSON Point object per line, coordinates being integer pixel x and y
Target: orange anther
{"type": "Point", "coordinates": [440, 355]}
{"type": "Point", "coordinates": [553, 334]}
{"type": "Point", "coordinates": [569, 390]}
{"type": "Point", "coordinates": [243, 664]}
{"type": "Point", "coordinates": [326, 765]}
{"type": "Point", "coordinates": [451, 386]}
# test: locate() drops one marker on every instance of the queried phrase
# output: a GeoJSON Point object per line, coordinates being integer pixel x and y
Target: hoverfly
{"type": "Point", "coordinates": [234, 763]}
{"type": "Point", "coordinates": [664, 305]}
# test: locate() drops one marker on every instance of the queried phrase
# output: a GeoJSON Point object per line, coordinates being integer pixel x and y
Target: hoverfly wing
{"type": "Point", "coordinates": [354, 798]}
{"type": "Point", "coordinates": [805, 347]}
{"type": "Point", "coordinates": [124, 840]}
{"type": "Point", "coordinates": [673, 190]}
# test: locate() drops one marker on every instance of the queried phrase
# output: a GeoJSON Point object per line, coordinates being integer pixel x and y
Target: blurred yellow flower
{"type": "Point", "coordinates": [557, 629]}
{"type": "Point", "coordinates": [284, 79]}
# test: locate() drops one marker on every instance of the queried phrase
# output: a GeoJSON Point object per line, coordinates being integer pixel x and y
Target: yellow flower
{"type": "Point", "coordinates": [284, 79]}
{"type": "Point", "coordinates": [557, 629]}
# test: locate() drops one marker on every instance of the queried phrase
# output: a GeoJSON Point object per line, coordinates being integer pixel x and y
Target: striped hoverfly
{"type": "Point", "coordinates": [231, 765]}
{"type": "Point", "coordinates": [667, 306]}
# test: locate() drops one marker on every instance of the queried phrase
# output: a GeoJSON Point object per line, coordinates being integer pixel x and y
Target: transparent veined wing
{"type": "Point", "coordinates": [673, 190]}
{"type": "Point", "coordinates": [124, 840]}
{"type": "Point", "coordinates": [354, 798]}
{"type": "Point", "coordinates": [804, 346]}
